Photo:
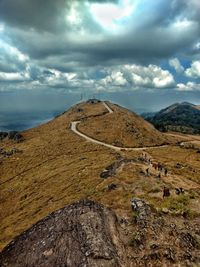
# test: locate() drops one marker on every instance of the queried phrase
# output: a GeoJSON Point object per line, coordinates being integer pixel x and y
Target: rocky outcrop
{"type": "Point", "coordinates": [13, 135]}
{"type": "Point", "coordinates": [3, 135]}
{"type": "Point", "coordinates": [143, 210]}
{"type": "Point", "coordinates": [93, 101]}
{"type": "Point", "coordinates": [83, 234]}
{"type": "Point", "coordinates": [111, 170]}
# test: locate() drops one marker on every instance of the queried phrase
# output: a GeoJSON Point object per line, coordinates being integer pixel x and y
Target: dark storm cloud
{"type": "Point", "coordinates": [147, 38]}
{"type": "Point", "coordinates": [41, 30]}
{"type": "Point", "coordinates": [45, 15]}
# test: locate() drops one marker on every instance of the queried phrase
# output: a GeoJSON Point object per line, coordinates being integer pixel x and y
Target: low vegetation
{"type": "Point", "coordinates": [57, 167]}
{"type": "Point", "coordinates": [184, 118]}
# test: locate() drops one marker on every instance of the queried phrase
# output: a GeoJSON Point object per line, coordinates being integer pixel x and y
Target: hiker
{"type": "Point", "coordinates": [159, 175]}
{"type": "Point", "coordinates": [159, 167]}
{"type": "Point", "coordinates": [182, 190]}
{"type": "Point", "coordinates": [177, 190]}
{"type": "Point", "coordinates": [166, 192]}
{"type": "Point", "coordinates": [111, 187]}
{"type": "Point", "coordinates": [166, 171]}
{"type": "Point", "coordinates": [155, 166]}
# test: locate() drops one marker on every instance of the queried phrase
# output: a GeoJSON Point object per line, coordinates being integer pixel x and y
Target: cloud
{"type": "Point", "coordinates": [175, 63]}
{"type": "Point", "coordinates": [76, 26]}
{"type": "Point", "coordinates": [194, 70]}
{"type": "Point", "coordinates": [13, 77]}
{"type": "Point", "coordinates": [136, 76]}
{"type": "Point", "coordinates": [190, 86]}
{"type": "Point", "coordinates": [43, 15]}
{"type": "Point", "coordinates": [11, 59]}
{"type": "Point", "coordinates": [47, 41]}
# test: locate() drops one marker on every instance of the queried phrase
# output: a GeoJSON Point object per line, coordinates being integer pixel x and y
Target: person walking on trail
{"type": "Point", "coordinates": [166, 192]}
{"type": "Point", "coordinates": [159, 175]}
{"type": "Point", "coordinates": [159, 167]}
{"type": "Point", "coordinates": [166, 171]}
{"type": "Point", "coordinates": [155, 166]}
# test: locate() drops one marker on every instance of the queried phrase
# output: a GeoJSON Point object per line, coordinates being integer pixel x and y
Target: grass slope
{"type": "Point", "coordinates": [57, 167]}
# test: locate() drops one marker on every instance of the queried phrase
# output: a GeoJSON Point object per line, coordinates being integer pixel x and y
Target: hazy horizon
{"type": "Point", "coordinates": [24, 110]}
{"type": "Point", "coordinates": [142, 54]}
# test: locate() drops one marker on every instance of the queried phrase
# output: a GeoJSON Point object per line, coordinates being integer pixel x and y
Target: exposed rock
{"type": "Point", "coordinates": [112, 168]}
{"type": "Point", "coordinates": [83, 234]}
{"type": "Point", "coordinates": [169, 254]}
{"type": "Point", "coordinates": [12, 134]}
{"type": "Point", "coordinates": [93, 101]}
{"type": "Point", "coordinates": [189, 241]}
{"type": "Point", "coordinates": [79, 110]}
{"type": "Point", "coordinates": [165, 210]}
{"type": "Point", "coordinates": [15, 136]}
{"type": "Point", "coordinates": [3, 135]}
{"type": "Point", "coordinates": [138, 240]}
{"type": "Point", "coordinates": [18, 138]}
{"type": "Point", "coordinates": [179, 166]}
{"type": "Point", "coordinates": [112, 187]}
{"type": "Point", "coordinates": [143, 210]}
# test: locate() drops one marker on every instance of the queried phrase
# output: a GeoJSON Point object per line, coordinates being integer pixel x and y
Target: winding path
{"type": "Point", "coordinates": [95, 141]}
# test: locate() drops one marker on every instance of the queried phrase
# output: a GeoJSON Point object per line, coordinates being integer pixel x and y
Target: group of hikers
{"type": "Point", "coordinates": [166, 191]}
{"type": "Point", "coordinates": [161, 170]}
{"type": "Point", "coordinates": [157, 166]}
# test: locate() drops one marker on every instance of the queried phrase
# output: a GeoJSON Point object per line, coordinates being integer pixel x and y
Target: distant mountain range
{"type": "Point", "coordinates": [180, 117]}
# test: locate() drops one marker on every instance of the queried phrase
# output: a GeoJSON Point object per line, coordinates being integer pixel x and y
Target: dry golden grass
{"type": "Point", "coordinates": [58, 167]}
{"type": "Point", "coordinates": [123, 128]}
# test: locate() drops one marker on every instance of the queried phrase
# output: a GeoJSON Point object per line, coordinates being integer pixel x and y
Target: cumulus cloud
{"type": "Point", "coordinates": [194, 70]}
{"type": "Point", "coordinates": [136, 76]}
{"type": "Point", "coordinates": [189, 86]}
{"type": "Point", "coordinates": [13, 77]}
{"type": "Point", "coordinates": [45, 42]}
{"type": "Point", "coordinates": [175, 63]}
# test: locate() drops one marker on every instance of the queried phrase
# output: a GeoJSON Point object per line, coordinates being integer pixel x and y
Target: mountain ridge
{"type": "Point", "coordinates": [182, 117]}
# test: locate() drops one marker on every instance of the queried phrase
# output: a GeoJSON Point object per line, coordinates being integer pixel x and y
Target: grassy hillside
{"type": "Point", "coordinates": [57, 167]}
{"type": "Point", "coordinates": [123, 128]}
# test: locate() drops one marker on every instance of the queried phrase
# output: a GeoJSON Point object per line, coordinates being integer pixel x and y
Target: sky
{"type": "Point", "coordinates": [119, 48]}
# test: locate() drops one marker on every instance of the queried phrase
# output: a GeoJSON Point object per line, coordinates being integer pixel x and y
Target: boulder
{"type": "Point", "coordinates": [15, 136]}
{"type": "Point", "coordinates": [3, 135]}
{"type": "Point", "coordinates": [83, 234]}
{"type": "Point", "coordinates": [142, 209]}
{"type": "Point", "coordinates": [112, 187]}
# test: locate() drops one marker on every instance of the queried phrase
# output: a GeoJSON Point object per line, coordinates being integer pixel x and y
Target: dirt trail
{"type": "Point", "coordinates": [95, 141]}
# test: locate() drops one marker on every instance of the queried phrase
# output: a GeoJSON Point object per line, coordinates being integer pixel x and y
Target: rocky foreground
{"type": "Point", "coordinates": [82, 234]}
{"type": "Point", "coordinates": [86, 234]}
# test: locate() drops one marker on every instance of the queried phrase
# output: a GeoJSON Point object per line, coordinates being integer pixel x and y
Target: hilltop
{"type": "Point", "coordinates": [123, 128]}
{"type": "Point", "coordinates": [56, 167]}
{"type": "Point", "coordinates": [181, 117]}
